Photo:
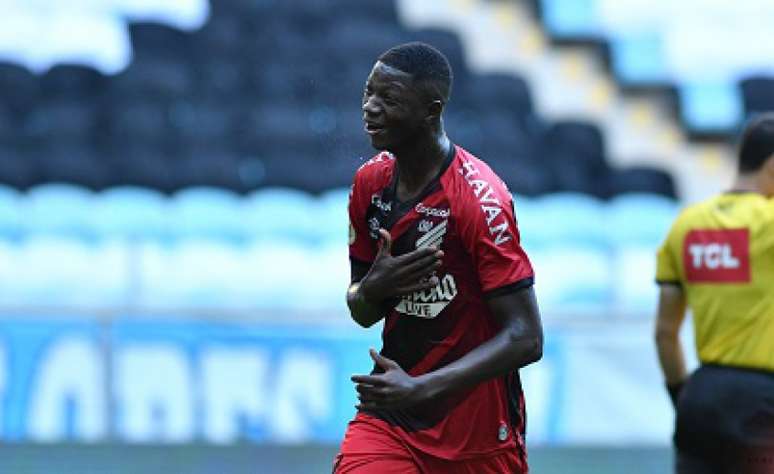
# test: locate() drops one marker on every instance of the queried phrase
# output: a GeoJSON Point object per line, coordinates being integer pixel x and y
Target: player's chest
{"type": "Point", "coordinates": [426, 223]}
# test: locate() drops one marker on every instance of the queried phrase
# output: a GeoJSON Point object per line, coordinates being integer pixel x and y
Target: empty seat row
{"type": "Point", "coordinates": [710, 51]}
{"type": "Point", "coordinates": [198, 274]}
{"type": "Point", "coordinates": [284, 213]}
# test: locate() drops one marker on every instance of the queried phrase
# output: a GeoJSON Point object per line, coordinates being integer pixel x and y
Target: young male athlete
{"type": "Point", "coordinates": [435, 252]}
{"type": "Point", "coordinates": [719, 260]}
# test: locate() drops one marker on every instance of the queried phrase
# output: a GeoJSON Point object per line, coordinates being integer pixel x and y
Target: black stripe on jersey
{"type": "Point", "coordinates": [516, 413]}
{"type": "Point", "coordinates": [510, 288]}
{"type": "Point", "coordinates": [670, 282]}
{"type": "Point", "coordinates": [400, 209]}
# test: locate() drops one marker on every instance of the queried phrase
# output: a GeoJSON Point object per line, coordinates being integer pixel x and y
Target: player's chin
{"type": "Point", "coordinates": [380, 142]}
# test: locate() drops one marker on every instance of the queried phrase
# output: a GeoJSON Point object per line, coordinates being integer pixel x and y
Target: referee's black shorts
{"type": "Point", "coordinates": [725, 422]}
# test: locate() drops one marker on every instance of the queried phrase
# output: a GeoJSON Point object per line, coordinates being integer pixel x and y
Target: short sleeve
{"type": "Point", "coordinates": [489, 233]}
{"type": "Point", "coordinates": [667, 268]}
{"type": "Point", "coordinates": [362, 248]}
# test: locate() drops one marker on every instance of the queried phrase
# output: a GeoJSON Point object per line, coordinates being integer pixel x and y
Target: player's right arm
{"type": "Point", "coordinates": [378, 277]}
{"type": "Point", "coordinates": [370, 294]}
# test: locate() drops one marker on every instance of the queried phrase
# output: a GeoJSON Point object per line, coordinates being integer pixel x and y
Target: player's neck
{"type": "Point", "coordinates": [748, 183]}
{"type": "Point", "coordinates": [417, 166]}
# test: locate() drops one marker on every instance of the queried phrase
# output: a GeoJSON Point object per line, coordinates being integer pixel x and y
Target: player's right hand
{"type": "Point", "coordinates": [391, 276]}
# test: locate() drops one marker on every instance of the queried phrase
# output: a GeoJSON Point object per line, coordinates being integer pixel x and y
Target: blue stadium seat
{"type": "Point", "coordinates": [711, 106]}
{"type": "Point", "coordinates": [208, 213]}
{"type": "Point", "coordinates": [573, 279]}
{"type": "Point", "coordinates": [282, 213]}
{"type": "Point", "coordinates": [290, 273]}
{"type": "Point", "coordinates": [10, 213]}
{"type": "Point", "coordinates": [131, 213]}
{"type": "Point", "coordinates": [639, 219]}
{"type": "Point", "coordinates": [193, 273]}
{"type": "Point", "coordinates": [638, 58]}
{"type": "Point", "coordinates": [64, 273]}
{"type": "Point", "coordinates": [59, 210]}
{"type": "Point", "coordinates": [326, 281]}
{"type": "Point", "coordinates": [333, 216]}
{"type": "Point", "coordinates": [635, 289]}
{"type": "Point", "coordinates": [569, 18]}
{"type": "Point", "coordinates": [564, 218]}
{"type": "Point", "coordinates": [758, 94]}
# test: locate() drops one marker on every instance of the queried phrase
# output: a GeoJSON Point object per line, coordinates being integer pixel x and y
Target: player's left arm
{"type": "Point", "coordinates": [671, 314]}
{"type": "Point", "coordinates": [519, 342]}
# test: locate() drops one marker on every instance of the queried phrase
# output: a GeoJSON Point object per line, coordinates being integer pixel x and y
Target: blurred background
{"type": "Point", "coordinates": [173, 189]}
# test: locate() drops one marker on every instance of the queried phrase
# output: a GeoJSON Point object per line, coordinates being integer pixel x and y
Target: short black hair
{"type": "Point", "coordinates": [425, 64]}
{"type": "Point", "coordinates": [757, 142]}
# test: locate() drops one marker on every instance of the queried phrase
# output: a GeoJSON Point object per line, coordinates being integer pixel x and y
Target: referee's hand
{"type": "Point", "coordinates": [674, 392]}
{"type": "Point", "coordinates": [390, 276]}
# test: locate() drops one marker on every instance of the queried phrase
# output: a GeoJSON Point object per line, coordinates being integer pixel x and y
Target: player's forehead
{"type": "Point", "coordinates": [383, 76]}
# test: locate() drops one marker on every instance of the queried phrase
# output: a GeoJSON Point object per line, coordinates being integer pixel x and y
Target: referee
{"type": "Point", "coordinates": [718, 261]}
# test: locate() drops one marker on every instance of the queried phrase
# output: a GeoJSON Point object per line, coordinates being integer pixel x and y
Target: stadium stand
{"type": "Point", "coordinates": [705, 50]}
{"type": "Point", "coordinates": [205, 153]}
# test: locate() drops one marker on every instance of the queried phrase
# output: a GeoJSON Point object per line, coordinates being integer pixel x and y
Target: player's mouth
{"type": "Point", "coordinates": [373, 128]}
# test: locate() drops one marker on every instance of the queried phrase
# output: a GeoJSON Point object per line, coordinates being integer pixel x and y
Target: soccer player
{"type": "Point", "coordinates": [718, 260]}
{"type": "Point", "coordinates": [435, 252]}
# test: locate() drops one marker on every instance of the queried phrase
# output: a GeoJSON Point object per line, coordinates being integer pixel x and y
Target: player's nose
{"type": "Point", "coordinates": [370, 107]}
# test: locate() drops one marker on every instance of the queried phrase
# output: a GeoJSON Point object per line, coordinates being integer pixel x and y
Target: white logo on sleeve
{"type": "Point", "coordinates": [490, 205]}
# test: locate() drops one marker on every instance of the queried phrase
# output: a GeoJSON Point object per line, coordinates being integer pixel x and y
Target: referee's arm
{"type": "Point", "coordinates": [671, 313]}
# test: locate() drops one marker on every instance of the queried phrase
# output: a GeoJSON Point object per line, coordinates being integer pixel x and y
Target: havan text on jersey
{"type": "Point", "coordinates": [495, 219]}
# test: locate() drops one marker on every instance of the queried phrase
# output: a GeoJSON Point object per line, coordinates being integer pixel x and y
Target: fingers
{"type": "Point", "coordinates": [383, 362]}
{"type": "Point", "coordinates": [374, 380]}
{"type": "Point", "coordinates": [432, 282]}
{"type": "Point", "coordinates": [422, 267]}
{"type": "Point", "coordinates": [386, 242]}
{"type": "Point", "coordinates": [417, 254]}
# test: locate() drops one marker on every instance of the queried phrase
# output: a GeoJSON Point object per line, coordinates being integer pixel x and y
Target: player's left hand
{"type": "Point", "coordinates": [392, 389]}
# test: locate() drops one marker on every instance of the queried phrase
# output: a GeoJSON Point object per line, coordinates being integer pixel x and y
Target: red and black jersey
{"type": "Point", "coordinates": [467, 212]}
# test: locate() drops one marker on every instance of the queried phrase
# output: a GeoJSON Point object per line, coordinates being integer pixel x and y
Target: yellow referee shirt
{"type": "Point", "coordinates": [721, 252]}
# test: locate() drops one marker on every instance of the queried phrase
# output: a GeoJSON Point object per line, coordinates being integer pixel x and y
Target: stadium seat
{"type": "Point", "coordinates": [563, 218]}
{"type": "Point", "coordinates": [182, 14]}
{"type": "Point", "coordinates": [53, 272]}
{"type": "Point", "coordinates": [59, 210]}
{"type": "Point", "coordinates": [72, 81]}
{"type": "Point", "coordinates": [639, 219]}
{"type": "Point", "coordinates": [575, 153]}
{"type": "Point", "coordinates": [757, 94]}
{"type": "Point", "coordinates": [131, 213]}
{"type": "Point", "coordinates": [207, 213]}
{"type": "Point", "coordinates": [642, 180]}
{"type": "Point", "coordinates": [333, 216]}
{"type": "Point", "coordinates": [194, 274]}
{"type": "Point", "coordinates": [282, 213]}
{"type": "Point", "coordinates": [635, 289]}
{"type": "Point", "coordinates": [24, 84]}
{"type": "Point", "coordinates": [289, 273]}
{"type": "Point", "coordinates": [585, 290]}
{"type": "Point", "coordinates": [81, 37]}
{"type": "Point", "coordinates": [10, 213]}
{"type": "Point", "coordinates": [711, 106]}
{"type": "Point", "coordinates": [16, 169]}
{"type": "Point", "coordinates": [76, 163]}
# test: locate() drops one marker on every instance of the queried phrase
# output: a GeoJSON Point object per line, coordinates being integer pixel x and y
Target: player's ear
{"type": "Point", "coordinates": [434, 110]}
{"type": "Point", "coordinates": [768, 173]}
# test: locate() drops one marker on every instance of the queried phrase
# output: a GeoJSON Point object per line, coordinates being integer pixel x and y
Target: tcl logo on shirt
{"type": "Point", "coordinates": [717, 256]}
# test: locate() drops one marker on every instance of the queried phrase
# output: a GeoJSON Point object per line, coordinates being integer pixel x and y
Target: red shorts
{"type": "Point", "coordinates": [370, 450]}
